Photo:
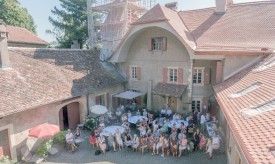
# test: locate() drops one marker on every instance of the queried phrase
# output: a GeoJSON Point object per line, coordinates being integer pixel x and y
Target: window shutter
{"type": "Point", "coordinates": [150, 44]}
{"type": "Point", "coordinates": [139, 73]}
{"type": "Point", "coordinates": [165, 74]}
{"type": "Point", "coordinates": [180, 75]}
{"type": "Point", "coordinates": [127, 72]}
{"type": "Point", "coordinates": [206, 78]}
{"type": "Point", "coordinates": [164, 43]}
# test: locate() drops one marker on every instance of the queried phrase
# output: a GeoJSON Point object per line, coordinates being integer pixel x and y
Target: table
{"type": "Point", "coordinates": [177, 122]}
{"type": "Point", "coordinates": [112, 129]}
{"type": "Point", "coordinates": [211, 128]}
{"type": "Point", "coordinates": [135, 119]}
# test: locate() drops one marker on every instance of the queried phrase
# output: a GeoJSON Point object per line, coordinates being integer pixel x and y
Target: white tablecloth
{"type": "Point", "coordinates": [112, 129]}
{"type": "Point", "coordinates": [177, 122]}
{"type": "Point", "coordinates": [135, 119]}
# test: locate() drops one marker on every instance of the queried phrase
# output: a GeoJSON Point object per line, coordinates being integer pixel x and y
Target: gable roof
{"type": "Point", "coordinates": [43, 76]}
{"type": "Point", "coordinates": [248, 103]}
{"type": "Point", "coordinates": [150, 16]}
{"type": "Point", "coordinates": [243, 27]}
{"type": "Point", "coordinates": [22, 35]}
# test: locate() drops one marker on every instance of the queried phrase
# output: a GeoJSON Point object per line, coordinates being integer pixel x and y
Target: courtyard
{"type": "Point", "coordinates": [85, 154]}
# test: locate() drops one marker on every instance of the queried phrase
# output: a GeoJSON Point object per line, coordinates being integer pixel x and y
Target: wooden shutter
{"type": "Point", "coordinates": [180, 75]}
{"type": "Point", "coordinates": [164, 43]}
{"type": "Point", "coordinates": [138, 73]}
{"type": "Point", "coordinates": [127, 72]}
{"type": "Point", "coordinates": [206, 78]}
{"type": "Point", "coordinates": [149, 44]}
{"type": "Point", "coordinates": [165, 74]}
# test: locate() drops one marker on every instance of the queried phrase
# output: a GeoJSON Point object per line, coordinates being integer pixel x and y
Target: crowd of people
{"type": "Point", "coordinates": [154, 134]}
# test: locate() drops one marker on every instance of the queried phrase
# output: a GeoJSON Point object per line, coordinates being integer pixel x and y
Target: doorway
{"type": "Point", "coordinates": [69, 116]}
{"type": "Point", "coordinates": [4, 143]}
{"type": "Point", "coordinates": [172, 103]}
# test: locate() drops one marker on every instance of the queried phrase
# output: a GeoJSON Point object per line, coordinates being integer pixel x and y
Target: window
{"type": "Point", "coordinates": [196, 104]}
{"type": "Point", "coordinates": [157, 43]}
{"type": "Point", "coordinates": [133, 72]}
{"type": "Point", "coordinates": [173, 75]}
{"type": "Point", "coordinates": [198, 75]}
{"type": "Point", "coordinates": [245, 90]}
{"type": "Point", "coordinates": [100, 100]}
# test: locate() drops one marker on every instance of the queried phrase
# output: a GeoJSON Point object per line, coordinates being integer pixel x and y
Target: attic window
{"type": "Point", "coordinates": [245, 90]}
{"type": "Point", "coordinates": [266, 65]}
{"type": "Point", "coordinates": [258, 109]}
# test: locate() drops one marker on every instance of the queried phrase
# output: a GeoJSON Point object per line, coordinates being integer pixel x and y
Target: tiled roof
{"type": "Point", "coordinates": [169, 89]}
{"type": "Point", "coordinates": [43, 76]}
{"type": "Point", "coordinates": [154, 15]}
{"type": "Point", "coordinates": [243, 27]}
{"type": "Point", "coordinates": [247, 101]}
{"type": "Point", "coordinates": [22, 35]}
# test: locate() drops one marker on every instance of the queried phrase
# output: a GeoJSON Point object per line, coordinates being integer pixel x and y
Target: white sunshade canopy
{"type": "Point", "coordinates": [128, 95]}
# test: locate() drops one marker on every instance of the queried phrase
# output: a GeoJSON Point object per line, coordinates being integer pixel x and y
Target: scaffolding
{"type": "Point", "coordinates": [109, 20]}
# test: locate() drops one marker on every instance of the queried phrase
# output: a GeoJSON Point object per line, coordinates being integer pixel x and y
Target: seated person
{"type": "Point", "coordinates": [183, 145]}
{"type": "Point", "coordinates": [124, 118]}
{"type": "Point", "coordinates": [77, 133]}
{"type": "Point", "coordinates": [122, 109]}
{"type": "Point", "coordinates": [161, 121]}
{"type": "Point", "coordinates": [155, 123]}
{"type": "Point", "coordinates": [138, 113]}
{"type": "Point", "coordinates": [92, 139]}
{"type": "Point", "coordinates": [169, 112]}
{"type": "Point", "coordinates": [215, 144]}
{"type": "Point", "coordinates": [111, 141]}
{"type": "Point", "coordinates": [101, 118]}
{"type": "Point", "coordinates": [135, 142]}
{"type": "Point", "coordinates": [102, 144]}
{"type": "Point", "coordinates": [118, 113]}
{"type": "Point", "coordinates": [175, 116]}
{"type": "Point", "coordinates": [163, 112]}
{"type": "Point", "coordinates": [144, 122]}
{"type": "Point", "coordinates": [70, 140]}
{"type": "Point", "coordinates": [128, 140]}
{"type": "Point", "coordinates": [110, 115]}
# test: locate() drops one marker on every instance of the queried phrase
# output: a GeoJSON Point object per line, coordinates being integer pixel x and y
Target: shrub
{"type": "Point", "coordinates": [60, 137]}
{"type": "Point", "coordinates": [90, 122]}
{"type": "Point", "coordinates": [6, 160]}
{"type": "Point", "coordinates": [42, 150]}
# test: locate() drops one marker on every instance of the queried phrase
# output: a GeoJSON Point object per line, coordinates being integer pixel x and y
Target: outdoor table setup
{"type": "Point", "coordinates": [177, 122]}
{"type": "Point", "coordinates": [211, 128]}
{"type": "Point", "coordinates": [112, 129]}
{"type": "Point", "coordinates": [135, 119]}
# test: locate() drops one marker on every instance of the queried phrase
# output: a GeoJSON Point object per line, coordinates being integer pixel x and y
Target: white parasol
{"type": "Point", "coordinates": [98, 109]}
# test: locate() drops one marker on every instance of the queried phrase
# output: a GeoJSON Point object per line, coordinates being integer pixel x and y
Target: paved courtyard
{"type": "Point", "coordinates": [85, 154]}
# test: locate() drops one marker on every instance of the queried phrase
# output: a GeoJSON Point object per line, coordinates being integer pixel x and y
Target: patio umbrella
{"type": "Point", "coordinates": [44, 130]}
{"type": "Point", "coordinates": [98, 109]}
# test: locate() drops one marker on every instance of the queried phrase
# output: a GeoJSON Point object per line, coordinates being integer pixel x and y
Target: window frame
{"type": "Point", "coordinates": [133, 75]}
{"type": "Point", "coordinates": [196, 100]}
{"type": "Point", "coordinates": [159, 43]}
{"type": "Point", "coordinates": [174, 75]}
{"type": "Point", "coordinates": [196, 72]}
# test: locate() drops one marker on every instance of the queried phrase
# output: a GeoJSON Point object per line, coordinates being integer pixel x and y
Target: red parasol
{"type": "Point", "coordinates": [44, 130]}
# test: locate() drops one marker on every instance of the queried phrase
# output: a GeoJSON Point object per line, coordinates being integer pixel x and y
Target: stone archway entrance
{"type": "Point", "coordinates": [69, 116]}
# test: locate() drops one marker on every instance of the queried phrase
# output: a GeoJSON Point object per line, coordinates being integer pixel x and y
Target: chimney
{"type": "Point", "coordinates": [221, 5]}
{"type": "Point", "coordinates": [172, 5]}
{"type": "Point", "coordinates": [4, 55]}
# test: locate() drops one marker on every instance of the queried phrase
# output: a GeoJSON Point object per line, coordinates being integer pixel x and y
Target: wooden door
{"type": "Point", "coordinates": [4, 143]}
{"type": "Point", "coordinates": [73, 115]}
{"type": "Point", "coordinates": [172, 102]}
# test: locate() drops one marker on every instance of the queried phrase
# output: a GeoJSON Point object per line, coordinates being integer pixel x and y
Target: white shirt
{"type": "Point", "coordinates": [163, 111]}
{"type": "Point", "coordinates": [69, 137]}
{"type": "Point", "coordinates": [169, 111]}
{"type": "Point", "coordinates": [202, 120]}
{"type": "Point", "coordinates": [129, 115]}
{"type": "Point", "coordinates": [216, 141]}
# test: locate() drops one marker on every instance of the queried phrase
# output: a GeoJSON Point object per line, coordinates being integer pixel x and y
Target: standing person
{"type": "Point", "coordinates": [111, 140]}
{"type": "Point", "coordinates": [202, 122]}
{"type": "Point", "coordinates": [102, 144]}
{"type": "Point", "coordinates": [151, 143]}
{"type": "Point", "coordinates": [160, 143]}
{"type": "Point", "coordinates": [214, 145]}
{"type": "Point", "coordinates": [196, 138]}
{"type": "Point", "coordinates": [118, 139]}
{"type": "Point", "coordinates": [70, 140]}
{"type": "Point", "coordinates": [135, 142]}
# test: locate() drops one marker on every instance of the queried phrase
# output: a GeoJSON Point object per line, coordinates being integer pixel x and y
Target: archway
{"type": "Point", "coordinates": [69, 116]}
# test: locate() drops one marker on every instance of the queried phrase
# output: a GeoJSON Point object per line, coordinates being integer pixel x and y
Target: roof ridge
{"type": "Point", "coordinates": [47, 49]}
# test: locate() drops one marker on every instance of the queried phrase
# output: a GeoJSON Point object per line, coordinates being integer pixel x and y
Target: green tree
{"type": "Point", "coordinates": [15, 15]}
{"type": "Point", "coordinates": [70, 23]}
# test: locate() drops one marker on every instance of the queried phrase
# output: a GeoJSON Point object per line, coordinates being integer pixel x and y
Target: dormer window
{"type": "Point", "coordinates": [157, 44]}
{"type": "Point", "coordinates": [245, 90]}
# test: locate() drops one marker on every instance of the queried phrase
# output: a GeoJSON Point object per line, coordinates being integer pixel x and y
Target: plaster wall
{"type": "Point", "coordinates": [153, 62]}
{"type": "Point", "coordinates": [232, 64]}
